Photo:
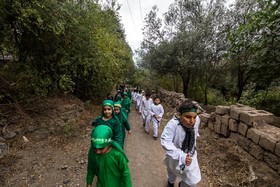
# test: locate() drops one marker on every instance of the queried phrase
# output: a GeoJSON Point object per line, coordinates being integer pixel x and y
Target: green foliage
{"type": "Point", "coordinates": [62, 47]}
{"type": "Point", "coordinates": [268, 100]}
{"type": "Point", "coordinates": [190, 45]}
{"type": "Point", "coordinates": [254, 43]}
{"type": "Point", "coordinates": [216, 98]}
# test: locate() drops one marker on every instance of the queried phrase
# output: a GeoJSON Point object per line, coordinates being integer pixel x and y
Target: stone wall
{"type": "Point", "coordinates": [248, 127]}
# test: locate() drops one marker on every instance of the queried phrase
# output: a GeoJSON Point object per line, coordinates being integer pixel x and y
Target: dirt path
{"type": "Point", "coordinates": [145, 155]}
{"type": "Point", "coordinates": [55, 154]}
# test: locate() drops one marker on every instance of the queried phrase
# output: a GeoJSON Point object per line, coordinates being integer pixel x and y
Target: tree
{"type": "Point", "coordinates": [190, 43]}
{"type": "Point", "coordinates": [63, 47]}
{"type": "Point", "coordinates": [254, 43]}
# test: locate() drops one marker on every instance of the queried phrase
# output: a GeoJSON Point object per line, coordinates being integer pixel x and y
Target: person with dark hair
{"type": "Point", "coordinates": [122, 116]}
{"type": "Point", "coordinates": [145, 110]}
{"type": "Point", "coordinates": [179, 141]}
{"type": "Point", "coordinates": [126, 103]}
{"type": "Point", "coordinates": [157, 112]}
{"type": "Point", "coordinates": [109, 118]}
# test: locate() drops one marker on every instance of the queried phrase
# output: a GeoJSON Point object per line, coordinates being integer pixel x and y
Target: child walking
{"type": "Point", "coordinates": [145, 107]}
{"type": "Point", "coordinates": [179, 141]}
{"type": "Point", "coordinates": [122, 116]}
{"type": "Point", "coordinates": [139, 97]}
{"type": "Point", "coordinates": [157, 112]}
{"type": "Point", "coordinates": [109, 118]}
{"type": "Point", "coordinates": [107, 161]}
{"type": "Point", "coordinates": [126, 103]}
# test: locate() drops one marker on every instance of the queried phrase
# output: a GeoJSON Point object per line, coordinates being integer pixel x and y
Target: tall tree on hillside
{"type": "Point", "coordinates": [254, 43]}
{"type": "Point", "coordinates": [189, 44]}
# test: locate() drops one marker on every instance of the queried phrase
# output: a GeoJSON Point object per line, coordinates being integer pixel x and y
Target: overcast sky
{"type": "Point", "coordinates": [133, 13]}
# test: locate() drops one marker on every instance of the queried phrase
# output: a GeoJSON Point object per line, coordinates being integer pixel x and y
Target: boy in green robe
{"type": "Point", "coordinates": [107, 161]}
{"type": "Point", "coordinates": [121, 114]}
{"type": "Point", "coordinates": [126, 103]}
{"type": "Point", "coordinates": [109, 118]}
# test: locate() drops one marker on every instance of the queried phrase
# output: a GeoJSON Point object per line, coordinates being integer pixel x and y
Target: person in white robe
{"type": "Point", "coordinates": [179, 141]}
{"type": "Point", "coordinates": [157, 112]}
{"type": "Point", "coordinates": [145, 107]}
{"type": "Point", "coordinates": [139, 97]}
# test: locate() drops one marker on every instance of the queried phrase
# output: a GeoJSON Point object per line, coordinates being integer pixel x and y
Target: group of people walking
{"type": "Point", "coordinates": [107, 159]}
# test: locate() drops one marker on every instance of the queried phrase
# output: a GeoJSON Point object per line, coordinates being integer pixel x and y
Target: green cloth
{"type": "Point", "coordinates": [118, 98]}
{"type": "Point", "coordinates": [126, 103]}
{"type": "Point", "coordinates": [129, 94]}
{"type": "Point", "coordinates": [113, 123]}
{"type": "Point", "coordinates": [123, 119]}
{"type": "Point", "coordinates": [110, 168]}
{"type": "Point", "coordinates": [101, 136]}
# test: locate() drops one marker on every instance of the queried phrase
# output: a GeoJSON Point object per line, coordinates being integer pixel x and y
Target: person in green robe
{"type": "Point", "coordinates": [121, 114]}
{"type": "Point", "coordinates": [129, 93]}
{"type": "Point", "coordinates": [109, 118]}
{"type": "Point", "coordinates": [107, 161]}
{"type": "Point", "coordinates": [126, 103]}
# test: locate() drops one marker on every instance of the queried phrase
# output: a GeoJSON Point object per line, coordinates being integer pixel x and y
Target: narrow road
{"type": "Point", "coordinates": [145, 155]}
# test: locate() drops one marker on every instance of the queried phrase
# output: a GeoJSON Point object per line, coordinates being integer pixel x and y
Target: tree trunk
{"type": "Point", "coordinates": [186, 80]}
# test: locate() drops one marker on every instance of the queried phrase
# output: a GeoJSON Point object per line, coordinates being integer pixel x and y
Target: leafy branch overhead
{"type": "Point", "coordinates": [63, 47]}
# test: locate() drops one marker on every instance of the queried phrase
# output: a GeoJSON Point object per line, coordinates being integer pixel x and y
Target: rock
{"type": "Point", "coordinates": [66, 181]}
{"type": "Point", "coordinates": [9, 134]}
{"type": "Point", "coordinates": [64, 167]}
{"type": "Point", "coordinates": [3, 149]}
{"type": "Point", "coordinates": [25, 139]}
{"type": "Point", "coordinates": [2, 139]}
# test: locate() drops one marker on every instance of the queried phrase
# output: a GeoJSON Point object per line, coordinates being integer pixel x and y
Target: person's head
{"type": "Point", "coordinates": [117, 107]}
{"type": "Point", "coordinates": [101, 138]}
{"type": "Point", "coordinates": [148, 95]}
{"type": "Point", "coordinates": [107, 108]}
{"type": "Point", "coordinates": [156, 100]}
{"type": "Point", "coordinates": [187, 114]}
{"type": "Point", "coordinates": [124, 94]}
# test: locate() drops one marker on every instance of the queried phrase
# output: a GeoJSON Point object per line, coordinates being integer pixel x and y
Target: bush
{"type": "Point", "coordinates": [264, 100]}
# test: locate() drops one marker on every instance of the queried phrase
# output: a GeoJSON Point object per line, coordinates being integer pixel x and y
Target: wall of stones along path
{"type": "Point", "coordinates": [248, 127]}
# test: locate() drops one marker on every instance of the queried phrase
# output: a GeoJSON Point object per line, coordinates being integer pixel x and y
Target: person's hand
{"type": "Point", "coordinates": [129, 132]}
{"type": "Point", "coordinates": [188, 160]}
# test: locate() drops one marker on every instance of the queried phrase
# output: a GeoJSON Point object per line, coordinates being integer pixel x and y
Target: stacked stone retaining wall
{"type": "Point", "coordinates": [248, 127]}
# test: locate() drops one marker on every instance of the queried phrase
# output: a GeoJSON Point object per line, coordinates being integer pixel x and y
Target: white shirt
{"type": "Point", "coordinates": [171, 140]}
{"type": "Point", "coordinates": [156, 110]}
{"type": "Point", "coordinates": [145, 106]}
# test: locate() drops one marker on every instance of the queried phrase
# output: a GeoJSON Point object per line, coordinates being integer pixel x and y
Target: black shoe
{"type": "Point", "coordinates": [155, 138]}
{"type": "Point", "coordinates": [170, 184]}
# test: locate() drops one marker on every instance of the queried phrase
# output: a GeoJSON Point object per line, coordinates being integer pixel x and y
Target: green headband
{"type": "Point", "coordinates": [108, 103]}
{"type": "Point", "coordinates": [101, 136]}
{"type": "Point", "coordinates": [100, 142]}
{"type": "Point", "coordinates": [118, 105]}
{"type": "Point", "coordinates": [188, 110]}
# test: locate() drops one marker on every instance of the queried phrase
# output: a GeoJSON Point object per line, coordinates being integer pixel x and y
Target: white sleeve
{"type": "Point", "coordinates": [161, 111]}
{"type": "Point", "coordinates": [167, 138]}
{"type": "Point", "coordinates": [141, 105]}
{"type": "Point", "coordinates": [196, 125]}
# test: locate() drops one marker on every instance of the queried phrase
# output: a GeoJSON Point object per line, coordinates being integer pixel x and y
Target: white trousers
{"type": "Point", "coordinates": [172, 179]}
{"type": "Point", "coordinates": [155, 128]}
{"type": "Point", "coordinates": [146, 121]}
